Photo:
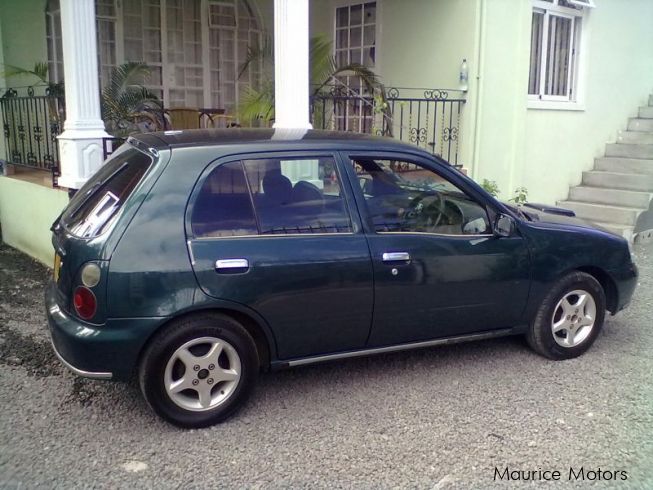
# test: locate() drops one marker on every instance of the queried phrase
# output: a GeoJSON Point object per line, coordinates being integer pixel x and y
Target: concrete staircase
{"type": "Point", "coordinates": [620, 188]}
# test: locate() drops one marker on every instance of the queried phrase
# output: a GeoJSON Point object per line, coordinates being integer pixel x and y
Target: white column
{"type": "Point", "coordinates": [291, 76]}
{"type": "Point", "coordinates": [80, 144]}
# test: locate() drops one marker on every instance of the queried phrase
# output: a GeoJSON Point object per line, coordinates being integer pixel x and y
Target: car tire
{"type": "Point", "coordinates": [569, 318]}
{"type": "Point", "coordinates": [199, 370]}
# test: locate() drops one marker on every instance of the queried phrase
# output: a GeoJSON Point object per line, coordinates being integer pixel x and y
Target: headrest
{"type": "Point", "coordinates": [277, 187]}
{"type": "Point", "coordinates": [305, 191]}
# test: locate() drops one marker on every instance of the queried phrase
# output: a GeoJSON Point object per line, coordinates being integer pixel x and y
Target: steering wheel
{"type": "Point", "coordinates": [425, 212]}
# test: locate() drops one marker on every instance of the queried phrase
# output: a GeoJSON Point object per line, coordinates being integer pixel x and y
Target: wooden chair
{"type": "Point", "coordinates": [184, 118]}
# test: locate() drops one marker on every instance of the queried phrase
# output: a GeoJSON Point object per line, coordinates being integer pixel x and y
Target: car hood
{"type": "Point", "coordinates": [538, 213]}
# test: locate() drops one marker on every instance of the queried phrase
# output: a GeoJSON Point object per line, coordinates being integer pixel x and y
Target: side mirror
{"type": "Point", "coordinates": [504, 225]}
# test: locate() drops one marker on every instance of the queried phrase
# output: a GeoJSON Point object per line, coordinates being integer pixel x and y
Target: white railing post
{"type": "Point", "coordinates": [291, 72]}
{"type": "Point", "coordinates": [80, 144]}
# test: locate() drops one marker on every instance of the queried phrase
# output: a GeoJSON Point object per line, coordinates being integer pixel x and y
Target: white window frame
{"type": "Point", "coordinates": [55, 65]}
{"type": "Point", "coordinates": [361, 118]}
{"type": "Point", "coordinates": [167, 68]}
{"type": "Point", "coordinates": [577, 55]}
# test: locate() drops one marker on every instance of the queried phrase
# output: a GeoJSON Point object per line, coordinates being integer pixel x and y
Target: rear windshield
{"type": "Point", "coordinates": [96, 204]}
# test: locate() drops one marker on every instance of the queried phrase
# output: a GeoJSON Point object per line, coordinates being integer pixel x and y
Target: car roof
{"type": "Point", "coordinates": [278, 136]}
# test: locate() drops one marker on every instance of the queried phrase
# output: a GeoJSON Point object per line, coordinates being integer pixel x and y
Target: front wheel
{"type": "Point", "coordinates": [199, 370]}
{"type": "Point", "coordinates": [570, 317]}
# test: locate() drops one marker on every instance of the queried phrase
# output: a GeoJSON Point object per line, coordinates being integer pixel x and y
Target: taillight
{"type": "Point", "coordinates": [85, 303]}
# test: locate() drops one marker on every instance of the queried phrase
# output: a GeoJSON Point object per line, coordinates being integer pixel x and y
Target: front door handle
{"type": "Point", "coordinates": [396, 257]}
{"type": "Point", "coordinates": [231, 264]}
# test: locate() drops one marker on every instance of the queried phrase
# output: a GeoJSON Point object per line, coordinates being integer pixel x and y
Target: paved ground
{"type": "Point", "coordinates": [437, 418]}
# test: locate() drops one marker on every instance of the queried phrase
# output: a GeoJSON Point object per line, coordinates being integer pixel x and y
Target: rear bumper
{"type": "Point", "coordinates": [77, 371]}
{"type": "Point", "coordinates": [107, 351]}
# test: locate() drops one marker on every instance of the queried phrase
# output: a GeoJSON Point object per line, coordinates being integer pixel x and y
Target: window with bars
{"type": "Point", "coordinates": [53, 36]}
{"type": "Point", "coordinates": [355, 43]}
{"type": "Point", "coordinates": [194, 47]}
{"type": "Point", "coordinates": [555, 49]}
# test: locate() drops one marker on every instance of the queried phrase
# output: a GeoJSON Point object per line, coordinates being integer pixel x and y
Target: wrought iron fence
{"type": "Point", "coordinates": [429, 118]}
{"type": "Point", "coordinates": [31, 121]}
{"type": "Point", "coordinates": [109, 145]}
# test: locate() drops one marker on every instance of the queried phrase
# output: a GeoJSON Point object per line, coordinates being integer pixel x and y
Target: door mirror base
{"type": "Point", "coordinates": [504, 226]}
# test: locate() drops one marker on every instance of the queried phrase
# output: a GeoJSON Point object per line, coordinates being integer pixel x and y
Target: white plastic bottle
{"type": "Point", "coordinates": [464, 76]}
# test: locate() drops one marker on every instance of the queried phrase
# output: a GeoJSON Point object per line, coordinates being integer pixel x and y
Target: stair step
{"type": "Point", "coordinates": [628, 137]}
{"type": "Point", "coordinates": [616, 197]}
{"type": "Point", "coordinates": [634, 150]}
{"type": "Point", "coordinates": [616, 180]}
{"type": "Point", "coordinates": [639, 124]}
{"type": "Point", "coordinates": [602, 212]}
{"type": "Point", "coordinates": [625, 231]}
{"type": "Point", "coordinates": [646, 112]}
{"type": "Point", "coordinates": [624, 165]}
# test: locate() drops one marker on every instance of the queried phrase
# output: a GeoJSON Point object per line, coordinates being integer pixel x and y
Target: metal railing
{"type": "Point", "coordinates": [111, 144]}
{"type": "Point", "coordinates": [428, 118]}
{"type": "Point", "coordinates": [31, 121]}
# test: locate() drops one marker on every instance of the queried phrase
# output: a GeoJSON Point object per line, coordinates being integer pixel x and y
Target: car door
{"type": "Point", "coordinates": [274, 232]}
{"type": "Point", "coordinates": [438, 269]}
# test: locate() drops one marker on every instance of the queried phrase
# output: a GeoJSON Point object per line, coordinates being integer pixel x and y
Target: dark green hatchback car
{"type": "Point", "coordinates": [195, 259]}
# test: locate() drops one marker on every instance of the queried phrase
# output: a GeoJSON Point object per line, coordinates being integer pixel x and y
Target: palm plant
{"type": "Point", "coordinates": [54, 89]}
{"type": "Point", "coordinates": [257, 104]}
{"type": "Point", "coordinates": [126, 103]}
{"type": "Point", "coordinates": [40, 72]}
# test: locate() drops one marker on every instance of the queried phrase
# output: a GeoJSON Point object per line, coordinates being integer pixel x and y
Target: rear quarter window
{"type": "Point", "coordinates": [97, 203]}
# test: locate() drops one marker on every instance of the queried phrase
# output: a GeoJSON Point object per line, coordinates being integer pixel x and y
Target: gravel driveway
{"type": "Point", "coordinates": [436, 418]}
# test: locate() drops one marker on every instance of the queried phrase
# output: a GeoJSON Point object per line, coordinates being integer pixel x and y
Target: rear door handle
{"type": "Point", "coordinates": [231, 264]}
{"type": "Point", "coordinates": [396, 257]}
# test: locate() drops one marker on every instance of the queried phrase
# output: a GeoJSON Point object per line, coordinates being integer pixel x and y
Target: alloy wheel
{"type": "Point", "coordinates": [202, 374]}
{"type": "Point", "coordinates": [573, 318]}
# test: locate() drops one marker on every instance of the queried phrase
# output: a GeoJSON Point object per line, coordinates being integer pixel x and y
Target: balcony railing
{"type": "Point", "coordinates": [428, 118]}
{"type": "Point", "coordinates": [31, 121]}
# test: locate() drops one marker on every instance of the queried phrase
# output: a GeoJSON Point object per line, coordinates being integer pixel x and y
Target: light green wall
{"type": "Point", "coordinates": [22, 23]}
{"type": "Point", "coordinates": [27, 211]}
{"type": "Point", "coordinates": [547, 150]}
{"type": "Point", "coordinates": [421, 44]}
{"type": "Point", "coordinates": [501, 96]}
{"type": "Point", "coordinates": [559, 145]}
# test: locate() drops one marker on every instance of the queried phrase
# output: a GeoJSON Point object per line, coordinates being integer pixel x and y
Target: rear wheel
{"type": "Point", "coordinates": [199, 370]}
{"type": "Point", "coordinates": [569, 318]}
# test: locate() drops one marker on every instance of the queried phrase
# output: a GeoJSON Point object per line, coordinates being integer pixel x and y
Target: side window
{"type": "Point", "coordinates": [406, 197]}
{"type": "Point", "coordinates": [294, 196]}
{"type": "Point", "coordinates": [223, 207]}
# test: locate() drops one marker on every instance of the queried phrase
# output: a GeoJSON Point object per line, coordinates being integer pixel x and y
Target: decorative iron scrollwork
{"type": "Point", "coordinates": [30, 91]}
{"type": "Point", "coordinates": [54, 131]}
{"type": "Point", "coordinates": [10, 92]}
{"type": "Point", "coordinates": [436, 94]}
{"type": "Point", "coordinates": [450, 134]}
{"type": "Point", "coordinates": [417, 135]}
{"type": "Point", "coordinates": [392, 93]}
